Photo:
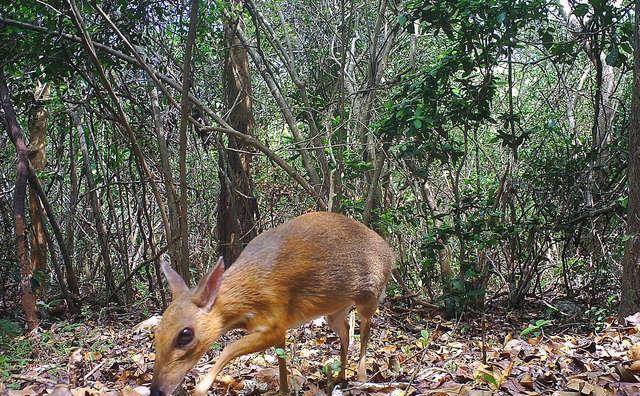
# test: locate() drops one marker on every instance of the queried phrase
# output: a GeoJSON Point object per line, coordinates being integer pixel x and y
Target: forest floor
{"type": "Point", "coordinates": [413, 351]}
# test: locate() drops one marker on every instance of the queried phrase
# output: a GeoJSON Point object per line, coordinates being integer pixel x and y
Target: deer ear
{"type": "Point", "coordinates": [207, 291]}
{"type": "Point", "coordinates": [176, 283]}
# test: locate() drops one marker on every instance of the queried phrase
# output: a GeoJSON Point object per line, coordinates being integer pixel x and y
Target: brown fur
{"type": "Point", "coordinates": [313, 265]}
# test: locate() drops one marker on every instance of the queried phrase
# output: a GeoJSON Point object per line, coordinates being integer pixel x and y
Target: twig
{"type": "Point", "coordinates": [554, 308]}
{"type": "Point", "coordinates": [484, 338]}
{"type": "Point", "coordinates": [417, 368]}
{"type": "Point", "coordinates": [34, 378]}
{"type": "Point", "coordinates": [415, 299]}
{"type": "Point", "coordinates": [378, 386]}
{"type": "Point", "coordinates": [93, 370]}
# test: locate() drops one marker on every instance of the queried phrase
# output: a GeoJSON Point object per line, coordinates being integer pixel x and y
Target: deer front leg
{"type": "Point", "coordinates": [282, 368]}
{"type": "Point", "coordinates": [250, 343]}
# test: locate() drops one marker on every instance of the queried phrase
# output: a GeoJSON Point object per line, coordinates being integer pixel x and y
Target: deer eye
{"type": "Point", "coordinates": [184, 337]}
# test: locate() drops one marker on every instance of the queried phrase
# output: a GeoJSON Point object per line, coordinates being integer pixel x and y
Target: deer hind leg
{"type": "Point", "coordinates": [366, 307]}
{"type": "Point", "coordinates": [338, 323]}
{"type": "Point", "coordinates": [250, 343]}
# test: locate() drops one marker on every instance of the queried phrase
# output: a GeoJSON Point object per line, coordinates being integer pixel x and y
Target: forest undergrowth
{"type": "Point", "coordinates": [530, 351]}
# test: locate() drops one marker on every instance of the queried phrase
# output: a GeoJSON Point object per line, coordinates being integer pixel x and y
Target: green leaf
{"type": "Point", "coordinates": [336, 366]}
{"type": "Point", "coordinates": [624, 202]}
{"type": "Point", "coordinates": [547, 38]}
{"type": "Point", "coordinates": [216, 346]}
{"type": "Point", "coordinates": [527, 331]}
{"type": "Point", "coordinates": [9, 328]}
{"type": "Point", "coordinates": [490, 379]}
{"type": "Point", "coordinates": [613, 57]}
{"type": "Point", "coordinates": [597, 4]}
{"type": "Point", "coordinates": [581, 10]}
{"type": "Point", "coordinates": [280, 352]}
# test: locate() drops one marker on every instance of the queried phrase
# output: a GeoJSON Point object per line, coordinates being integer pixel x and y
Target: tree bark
{"type": "Point", "coordinates": [630, 293]}
{"type": "Point", "coordinates": [185, 112]}
{"type": "Point", "coordinates": [19, 196]}
{"type": "Point", "coordinates": [237, 206]}
{"type": "Point", "coordinates": [373, 187]}
{"type": "Point", "coordinates": [37, 156]}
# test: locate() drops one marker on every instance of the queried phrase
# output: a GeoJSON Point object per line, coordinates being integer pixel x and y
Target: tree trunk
{"type": "Point", "coordinates": [37, 126]}
{"type": "Point", "coordinates": [630, 293]}
{"type": "Point", "coordinates": [373, 187]}
{"type": "Point", "coordinates": [152, 246]}
{"type": "Point", "coordinates": [185, 112]}
{"type": "Point", "coordinates": [19, 196]}
{"type": "Point", "coordinates": [37, 156]}
{"type": "Point", "coordinates": [444, 254]}
{"type": "Point", "coordinates": [237, 205]}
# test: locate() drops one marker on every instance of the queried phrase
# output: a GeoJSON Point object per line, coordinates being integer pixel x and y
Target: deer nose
{"type": "Point", "coordinates": [156, 392]}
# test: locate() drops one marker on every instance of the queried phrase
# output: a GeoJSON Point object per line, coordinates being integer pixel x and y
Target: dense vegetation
{"type": "Point", "coordinates": [488, 141]}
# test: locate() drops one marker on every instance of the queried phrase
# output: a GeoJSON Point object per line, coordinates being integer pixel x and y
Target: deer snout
{"type": "Point", "coordinates": [155, 391]}
{"type": "Point", "coordinates": [160, 388]}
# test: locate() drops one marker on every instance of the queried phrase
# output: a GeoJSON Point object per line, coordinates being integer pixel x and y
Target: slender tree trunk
{"type": "Point", "coordinates": [237, 205]}
{"type": "Point", "coordinates": [126, 229]}
{"type": "Point", "coordinates": [19, 196]}
{"type": "Point", "coordinates": [185, 112]}
{"type": "Point", "coordinates": [373, 187]}
{"type": "Point", "coordinates": [630, 293]}
{"type": "Point", "coordinates": [37, 156]}
{"type": "Point", "coordinates": [444, 254]}
{"type": "Point", "coordinates": [380, 44]}
{"type": "Point", "coordinates": [64, 290]}
{"type": "Point", "coordinates": [340, 134]}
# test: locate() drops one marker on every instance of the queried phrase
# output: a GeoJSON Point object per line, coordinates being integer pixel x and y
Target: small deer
{"type": "Point", "coordinates": [316, 264]}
